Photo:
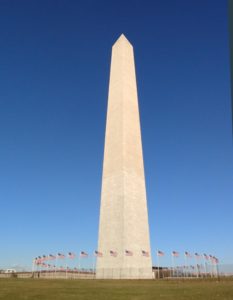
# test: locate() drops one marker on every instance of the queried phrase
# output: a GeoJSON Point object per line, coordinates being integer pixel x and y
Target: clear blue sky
{"type": "Point", "coordinates": [54, 72]}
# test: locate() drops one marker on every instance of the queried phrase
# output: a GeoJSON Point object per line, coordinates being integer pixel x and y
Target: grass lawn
{"type": "Point", "coordinates": [22, 289]}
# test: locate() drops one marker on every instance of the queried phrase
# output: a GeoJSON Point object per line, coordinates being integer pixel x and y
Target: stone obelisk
{"type": "Point", "coordinates": [123, 229]}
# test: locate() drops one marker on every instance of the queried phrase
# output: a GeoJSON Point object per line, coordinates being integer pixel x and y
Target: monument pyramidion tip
{"type": "Point", "coordinates": [122, 39]}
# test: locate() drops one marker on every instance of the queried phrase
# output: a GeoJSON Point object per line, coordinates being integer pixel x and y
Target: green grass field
{"type": "Point", "coordinates": [30, 289]}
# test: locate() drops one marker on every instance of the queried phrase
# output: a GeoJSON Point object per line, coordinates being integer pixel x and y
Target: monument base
{"type": "Point", "coordinates": [124, 273]}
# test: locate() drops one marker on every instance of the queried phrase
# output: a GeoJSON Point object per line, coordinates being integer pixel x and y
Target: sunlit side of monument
{"type": "Point", "coordinates": [123, 229]}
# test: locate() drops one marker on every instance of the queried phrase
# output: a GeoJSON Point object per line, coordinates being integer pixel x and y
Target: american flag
{"type": "Point", "coordinates": [44, 258]}
{"type": "Point", "coordinates": [187, 254]}
{"type": "Point", "coordinates": [35, 260]}
{"type": "Point", "coordinates": [60, 255]}
{"type": "Point", "coordinates": [206, 256]}
{"type": "Point", "coordinates": [44, 265]}
{"type": "Point", "coordinates": [98, 254]}
{"type": "Point", "coordinates": [113, 253]}
{"type": "Point", "coordinates": [39, 260]}
{"type": "Point", "coordinates": [160, 253]}
{"type": "Point", "coordinates": [51, 257]}
{"type": "Point", "coordinates": [145, 253]}
{"type": "Point", "coordinates": [215, 260]}
{"type": "Point", "coordinates": [175, 254]}
{"type": "Point", "coordinates": [71, 255]}
{"type": "Point", "coordinates": [128, 253]}
{"type": "Point", "coordinates": [197, 255]}
{"type": "Point", "coordinates": [83, 254]}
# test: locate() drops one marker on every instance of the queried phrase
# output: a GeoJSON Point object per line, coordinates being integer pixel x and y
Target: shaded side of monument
{"type": "Point", "coordinates": [123, 228]}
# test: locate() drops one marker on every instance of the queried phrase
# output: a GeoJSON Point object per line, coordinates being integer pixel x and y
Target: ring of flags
{"type": "Point", "coordinates": [41, 260]}
{"type": "Point", "coordinates": [45, 261]}
{"type": "Point", "coordinates": [114, 253]}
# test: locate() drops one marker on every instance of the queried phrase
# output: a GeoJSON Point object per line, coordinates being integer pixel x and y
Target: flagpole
{"type": "Point", "coordinates": [172, 265]}
{"type": "Point", "coordinates": [205, 267]}
{"type": "Point", "coordinates": [185, 263]}
{"type": "Point", "coordinates": [141, 269]}
{"type": "Point", "coordinates": [79, 263]}
{"type": "Point", "coordinates": [40, 271]}
{"type": "Point", "coordinates": [197, 268]}
{"type": "Point", "coordinates": [158, 266]}
{"type": "Point", "coordinates": [93, 257]}
{"type": "Point", "coordinates": [55, 265]}
{"type": "Point", "coordinates": [66, 266]}
{"type": "Point", "coordinates": [33, 264]}
{"type": "Point", "coordinates": [93, 264]}
{"type": "Point", "coordinates": [217, 271]}
{"type": "Point", "coordinates": [211, 264]}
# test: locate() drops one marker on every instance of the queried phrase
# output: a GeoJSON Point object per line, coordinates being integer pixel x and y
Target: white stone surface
{"type": "Point", "coordinates": [123, 212]}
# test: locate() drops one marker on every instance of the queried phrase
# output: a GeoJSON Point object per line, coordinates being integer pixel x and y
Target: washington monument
{"type": "Point", "coordinates": [124, 242]}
